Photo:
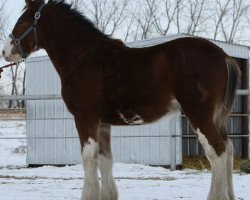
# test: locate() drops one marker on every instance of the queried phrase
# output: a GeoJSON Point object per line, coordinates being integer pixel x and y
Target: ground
{"type": "Point", "coordinates": [17, 182]}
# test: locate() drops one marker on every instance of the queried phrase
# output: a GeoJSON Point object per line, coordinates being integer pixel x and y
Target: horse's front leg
{"type": "Point", "coordinates": [88, 134]}
{"type": "Point", "coordinates": [108, 190]}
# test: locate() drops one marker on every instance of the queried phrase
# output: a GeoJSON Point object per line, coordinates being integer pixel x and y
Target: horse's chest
{"type": "Point", "coordinates": [81, 100]}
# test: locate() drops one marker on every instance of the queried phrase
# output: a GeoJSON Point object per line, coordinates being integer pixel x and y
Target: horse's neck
{"type": "Point", "coordinates": [66, 48]}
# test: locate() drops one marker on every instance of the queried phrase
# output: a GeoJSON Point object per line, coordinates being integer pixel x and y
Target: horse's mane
{"type": "Point", "coordinates": [74, 13]}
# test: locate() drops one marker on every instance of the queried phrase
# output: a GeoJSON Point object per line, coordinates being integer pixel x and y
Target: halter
{"type": "Point", "coordinates": [17, 41]}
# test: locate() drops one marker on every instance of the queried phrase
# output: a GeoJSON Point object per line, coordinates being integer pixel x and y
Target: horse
{"type": "Point", "coordinates": [106, 83]}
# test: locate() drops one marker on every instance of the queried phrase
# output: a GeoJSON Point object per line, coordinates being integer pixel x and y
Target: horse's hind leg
{"type": "Point", "coordinates": [108, 187]}
{"type": "Point", "coordinates": [230, 161]}
{"type": "Point", "coordinates": [216, 151]}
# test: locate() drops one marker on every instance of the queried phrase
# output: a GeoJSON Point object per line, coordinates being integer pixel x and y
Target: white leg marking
{"type": "Point", "coordinates": [219, 184]}
{"type": "Point", "coordinates": [91, 189]}
{"type": "Point", "coordinates": [108, 190]}
{"type": "Point", "coordinates": [230, 162]}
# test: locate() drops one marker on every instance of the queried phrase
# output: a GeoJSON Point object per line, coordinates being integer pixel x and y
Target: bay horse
{"type": "Point", "coordinates": [106, 83]}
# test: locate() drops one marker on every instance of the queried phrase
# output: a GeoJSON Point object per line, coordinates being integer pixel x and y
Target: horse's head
{"type": "Point", "coordinates": [23, 40]}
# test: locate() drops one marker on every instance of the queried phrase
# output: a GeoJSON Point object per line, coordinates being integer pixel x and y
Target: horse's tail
{"type": "Point", "coordinates": [234, 75]}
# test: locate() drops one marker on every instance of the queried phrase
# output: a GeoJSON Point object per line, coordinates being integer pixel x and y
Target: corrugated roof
{"type": "Point", "coordinates": [234, 50]}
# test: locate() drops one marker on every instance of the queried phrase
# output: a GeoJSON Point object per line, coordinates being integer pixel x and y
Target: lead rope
{"type": "Point", "coordinates": [10, 65]}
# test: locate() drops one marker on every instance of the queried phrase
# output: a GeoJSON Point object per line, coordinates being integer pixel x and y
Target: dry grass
{"type": "Point", "coordinates": [201, 163]}
{"type": "Point", "coordinates": [12, 115]}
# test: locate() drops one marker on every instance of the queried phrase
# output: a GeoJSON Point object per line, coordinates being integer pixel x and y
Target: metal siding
{"type": "Point", "coordinates": [58, 142]}
{"type": "Point", "coordinates": [51, 145]}
{"type": "Point", "coordinates": [148, 144]}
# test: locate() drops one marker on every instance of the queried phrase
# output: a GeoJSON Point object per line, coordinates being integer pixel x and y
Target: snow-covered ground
{"type": "Point", "coordinates": [12, 151]}
{"type": "Point", "coordinates": [17, 182]}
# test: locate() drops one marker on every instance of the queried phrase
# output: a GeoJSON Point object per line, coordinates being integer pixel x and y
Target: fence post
{"type": "Point", "coordinates": [173, 152]}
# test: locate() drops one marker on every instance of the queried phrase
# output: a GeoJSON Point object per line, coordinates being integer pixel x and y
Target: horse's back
{"type": "Point", "coordinates": [144, 82]}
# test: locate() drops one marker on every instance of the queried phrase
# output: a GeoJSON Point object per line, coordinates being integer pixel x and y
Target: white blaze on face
{"type": "Point", "coordinates": [7, 52]}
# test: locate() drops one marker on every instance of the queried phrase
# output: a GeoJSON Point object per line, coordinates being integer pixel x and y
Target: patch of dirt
{"type": "Point", "coordinates": [20, 150]}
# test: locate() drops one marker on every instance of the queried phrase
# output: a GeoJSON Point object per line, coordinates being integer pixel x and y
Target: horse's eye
{"type": "Point", "coordinates": [21, 24]}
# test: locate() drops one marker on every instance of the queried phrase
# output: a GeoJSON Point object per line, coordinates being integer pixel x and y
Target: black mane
{"type": "Point", "coordinates": [73, 12]}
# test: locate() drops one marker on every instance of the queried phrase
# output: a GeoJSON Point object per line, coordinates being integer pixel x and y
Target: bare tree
{"type": "Point", "coordinates": [76, 3]}
{"type": "Point", "coordinates": [130, 30]}
{"type": "Point", "coordinates": [221, 10]}
{"type": "Point", "coordinates": [107, 15]}
{"type": "Point", "coordinates": [167, 15]}
{"type": "Point", "coordinates": [235, 20]}
{"type": "Point", "coordinates": [196, 16]}
{"type": "Point", "coordinates": [219, 19]}
{"type": "Point", "coordinates": [14, 71]}
{"type": "Point", "coordinates": [179, 8]}
{"type": "Point", "coordinates": [145, 18]}
{"type": "Point", "coordinates": [3, 20]}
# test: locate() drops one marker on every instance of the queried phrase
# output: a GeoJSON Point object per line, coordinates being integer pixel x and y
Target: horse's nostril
{"type": "Point", "coordinates": [3, 52]}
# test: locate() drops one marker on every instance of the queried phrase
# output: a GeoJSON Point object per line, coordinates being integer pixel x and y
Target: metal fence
{"type": "Point", "coordinates": [59, 97]}
{"type": "Point", "coordinates": [173, 136]}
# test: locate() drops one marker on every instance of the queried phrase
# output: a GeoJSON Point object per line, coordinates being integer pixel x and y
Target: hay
{"type": "Point", "coordinates": [201, 163]}
{"type": "Point", "coordinates": [245, 167]}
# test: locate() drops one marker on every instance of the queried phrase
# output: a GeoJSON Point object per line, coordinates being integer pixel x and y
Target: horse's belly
{"type": "Point", "coordinates": [140, 115]}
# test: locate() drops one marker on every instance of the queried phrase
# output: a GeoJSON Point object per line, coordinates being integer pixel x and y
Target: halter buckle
{"type": "Point", "coordinates": [17, 41]}
{"type": "Point", "coordinates": [37, 15]}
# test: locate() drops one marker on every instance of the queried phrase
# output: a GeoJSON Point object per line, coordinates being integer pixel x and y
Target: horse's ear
{"type": "Point", "coordinates": [30, 3]}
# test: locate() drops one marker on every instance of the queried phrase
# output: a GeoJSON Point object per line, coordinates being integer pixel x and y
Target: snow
{"type": "Point", "coordinates": [18, 182]}
{"type": "Point", "coordinates": [12, 152]}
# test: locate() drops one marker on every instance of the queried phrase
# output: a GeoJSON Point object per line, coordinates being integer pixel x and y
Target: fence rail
{"type": "Point", "coordinates": [243, 92]}
{"type": "Point", "coordinates": [58, 96]}
{"type": "Point", "coordinates": [31, 97]}
{"type": "Point", "coordinates": [125, 136]}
